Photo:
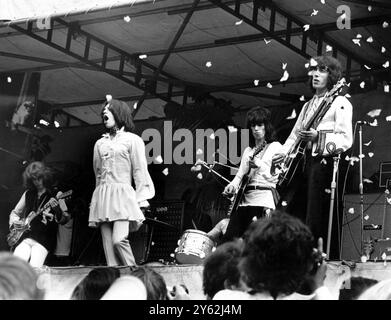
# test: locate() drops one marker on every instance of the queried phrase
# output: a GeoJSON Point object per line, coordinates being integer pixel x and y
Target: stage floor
{"type": "Point", "coordinates": [59, 282]}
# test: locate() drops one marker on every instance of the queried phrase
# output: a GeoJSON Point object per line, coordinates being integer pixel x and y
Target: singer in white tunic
{"type": "Point", "coordinates": [119, 160]}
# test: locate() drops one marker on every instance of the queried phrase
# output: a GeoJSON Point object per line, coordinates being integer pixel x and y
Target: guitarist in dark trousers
{"type": "Point", "coordinates": [259, 194]}
{"type": "Point", "coordinates": [35, 244]}
{"type": "Point", "coordinates": [332, 135]}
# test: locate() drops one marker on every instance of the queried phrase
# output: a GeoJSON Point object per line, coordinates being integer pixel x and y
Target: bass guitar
{"type": "Point", "coordinates": [236, 198]}
{"type": "Point", "coordinates": [23, 225]}
{"type": "Point", "coordinates": [288, 166]}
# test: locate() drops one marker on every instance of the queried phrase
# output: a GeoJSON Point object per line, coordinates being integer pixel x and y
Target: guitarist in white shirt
{"type": "Point", "coordinates": [332, 135]}
{"type": "Point", "coordinates": [35, 244]}
{"type": "Point", "coordinates": [259, 196]}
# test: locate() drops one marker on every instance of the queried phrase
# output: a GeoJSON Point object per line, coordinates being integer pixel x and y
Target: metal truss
{"type": "Point", "coordinates": [316, 35]}
{"type": "Point", "coordinates": [73, 31]}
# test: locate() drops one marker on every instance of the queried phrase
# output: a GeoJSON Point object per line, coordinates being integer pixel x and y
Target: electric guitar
{"type": "Point", "coordinates": [238, 195]}
{"type": "Point", "coordinates": [23, 225]}
{"type": "Point", "coordinates": [288, 167]}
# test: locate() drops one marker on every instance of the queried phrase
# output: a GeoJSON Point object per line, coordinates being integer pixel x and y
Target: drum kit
{"type": "Point", "coordinates": [193, 247]}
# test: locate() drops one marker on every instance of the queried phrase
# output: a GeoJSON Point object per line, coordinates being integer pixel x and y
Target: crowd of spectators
{"type": "Point", "coordinates": [274, 260]}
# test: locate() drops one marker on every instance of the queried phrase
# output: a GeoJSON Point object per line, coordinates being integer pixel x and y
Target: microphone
{"type": "Point", "coordinates": [363, 123]}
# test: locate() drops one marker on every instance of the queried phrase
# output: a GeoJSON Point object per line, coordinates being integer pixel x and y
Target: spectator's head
{"type": "Point", "coordinates": [18, 279]}
{"type": "Point", "coordinates": [357, 286]}
{"type": "Point", "coordinates": [126, 288]}
{"type": "Point", "coordinates": [95, 284]}
{"type": "Point", "coordinates": [277, 255]}
{"type": "Point", "coordinates": [379, 291]}
{"type": "Point", "coordinates": [221, 268]}
{"type": "Point", "coordinates": [154, 283]}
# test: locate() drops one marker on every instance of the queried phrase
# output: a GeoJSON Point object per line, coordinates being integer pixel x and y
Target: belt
{"type": "Point", "coordinates": [275, 193]}
{"type": "Point", "coordinates": [256, 188]}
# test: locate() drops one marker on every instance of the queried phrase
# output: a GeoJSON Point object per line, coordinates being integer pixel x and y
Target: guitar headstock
{"type": "Point", "coordinates": [337, 87]}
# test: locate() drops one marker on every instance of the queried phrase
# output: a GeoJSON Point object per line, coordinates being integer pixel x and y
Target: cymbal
{"type": "Point", "coordinates": [159, 223]}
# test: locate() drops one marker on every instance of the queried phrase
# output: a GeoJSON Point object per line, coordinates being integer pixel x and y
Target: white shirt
{"type": "Point", "coordinates": [259, 176]}
{"type": "Point", "coordinates": [334, 130]}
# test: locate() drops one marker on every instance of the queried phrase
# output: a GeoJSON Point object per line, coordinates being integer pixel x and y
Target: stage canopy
{"type": "Point", "coordinates": [154, 53]}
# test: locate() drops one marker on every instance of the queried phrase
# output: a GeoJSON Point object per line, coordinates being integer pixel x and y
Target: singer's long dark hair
{"type": "Point", "coordinates": [259, 116]}
{"type": "Point", "coordinates": [122, 114]}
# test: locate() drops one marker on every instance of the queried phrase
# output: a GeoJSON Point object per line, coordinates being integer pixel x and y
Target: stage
{"type": "Point", "coordinates": [59, 282]}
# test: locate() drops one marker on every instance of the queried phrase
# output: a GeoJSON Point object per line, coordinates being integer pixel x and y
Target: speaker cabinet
{"type": "Point", "coordinates": [376, 223]}
{"type": "Point", "coordinates": [165, 223]}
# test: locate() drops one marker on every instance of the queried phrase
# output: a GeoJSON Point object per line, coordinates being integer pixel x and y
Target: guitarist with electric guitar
{"type": "Point", "coordinates": [252, 191]}
{"type": "Point", "coordinates": [33, 221]}
{"type": "Point", "coordinates": [323, 129]}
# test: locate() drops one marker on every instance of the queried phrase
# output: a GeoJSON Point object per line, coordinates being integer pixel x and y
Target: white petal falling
{"type": "Point", "coordinates": [313, 62]}
{"type": "Point", "coordinates": [269, 85]}
{"type": "Point", "coordinates": [388, 118]}
{"type": "Point", "coordinates": [208, 64]}
{"type": "Point", "coordinates": [369, 8]}
{"type": "Point", "coordinates": [374, 113]}
{"type": "Point", "coordinates": [314, 12]}
{"type": "Point", "coordinates": [199, 176]}
{"type": "Point", "coordinates": [267, 41]}
{"type": "Point", "coordinates": [385, 24]}
{"type": "Point", "coordinates": [232, 129]}
{"type": "Point", "coordinates": [237, 23]}
{"type": "Point", "coordinates": [127, 19]}
{"type": "Point", "coordinates": [302, 98]}
{"type": "Point", "coordinates": [386, 64]}
{"type": "Point", "coordinates": [351, 210]}
{"type": "Point", "coordinates": [374, 123]}
{"type": "Point", "coordinates": [386, 88]}
{"type": "Point", "coordinates": [357, 42]}
{"type": "Point", "coordinates": [327, 190]}
{"type": "Point", "coordinates": [293, 115]}
{"type": "Point", "coordinates": [306, 27]}
{"type": "Point", "coordinates": [285, 76]}
{"type": "Point", "coordinates": [347, 95]}
{"type": "Point", "coordinates": [159, 159]}
{"type": "Point", "coordinates": [367, 181]}
{"type": "Point", "coordinates": [366, 217]}
{"type": "Point", "coordinates": [165, 171]}
{"type": "Point", "coordinates": [323, 1]}
{"type": "Point", "coordinates": [368, 143]}
{"type": "Point", "coordinates": [329, 48]}
{"type": "Point", "coordinates": [307, 65]}
{"type": "Point", "coordinates": [371, 154]}
{"type": "Point", "coordinates": [362, 84]}
{"type": "Point", "coordinates": [256, 82]}
{"type": "Point", "coordinates": [358, 36]}
{"type": "Point", "coordinates": [142, 56]}
{"type": "Point", "coordinates": [383, 49]}
{"type": "Point", "coordinates": [370, 39]}
{"type": "Point", "coordinates": [369, 68]}
{"type": "Point", "coordinates": [212, 136]}
{"type": "Point", "coordinates": [284, 65]}
{"type": "Point", "coordinates": [199, 151]}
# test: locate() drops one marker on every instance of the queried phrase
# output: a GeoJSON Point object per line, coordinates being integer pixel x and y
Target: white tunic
{"type": "Point", "coordinates": [116, 162]}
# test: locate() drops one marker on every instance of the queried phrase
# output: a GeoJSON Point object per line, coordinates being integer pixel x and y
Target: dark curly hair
{"type": "Point", "coordinates": [37, 170]}
{"type": "Point", "coordinates": [334, 67]}
{"type": "Point", "coordinates": [222, 266]}
{"type": "Point", "coordinates": [277, 255]}
{"type": "Point", "coordinates": [259, 116]}
{"type": "Point", "coordinates": [153, 281]}
{"type": "Point", "coordinates": [95, 284]}
{"type": "Point", "coordinates": [122, 114]}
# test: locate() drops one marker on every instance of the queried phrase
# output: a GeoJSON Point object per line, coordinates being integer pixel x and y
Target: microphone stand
{"type": "Point", "coordinates": [361, 188]}
{"type": "Point", "coordinates": [332, 198]}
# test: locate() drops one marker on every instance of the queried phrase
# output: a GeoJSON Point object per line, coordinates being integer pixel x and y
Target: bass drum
{"type": "Point", "coordinates": [193, 247]}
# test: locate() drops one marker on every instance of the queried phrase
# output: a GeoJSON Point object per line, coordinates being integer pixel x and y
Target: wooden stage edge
{"type": "Point", "coordinates": [59, 282]}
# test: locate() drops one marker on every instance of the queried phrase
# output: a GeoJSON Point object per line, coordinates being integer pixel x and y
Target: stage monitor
{"type": "Point", "coordinates": [385, 174]}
